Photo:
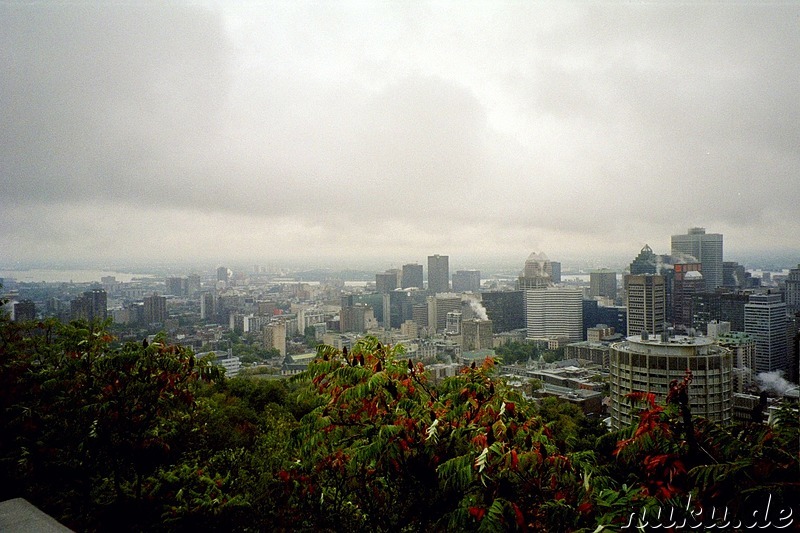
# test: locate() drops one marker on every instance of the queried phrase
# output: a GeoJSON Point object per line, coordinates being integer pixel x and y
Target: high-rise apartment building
{"type": "Point", "coordinates": [646, 297]}
{"type": "Point", "coordinates": [412, 276]}
{"type": "Point", "coordinates": [648, 363]}
{"type": "Point", "coordinates": [155, 309]}
{"type": "Point", "coordinates": [554, 312]}
{"type": "Point", "coordinates": [603, 282]}
{"type": "Point", "coordinates": [222, 274]}
{"type": "Point", "coordinates": [91, 306]}
{"type": "Point", "coordinates": [765, 320]}
{"type": "Point", "coordinates": [356, 318]}
{"type": "Point", "coordinates": [275, 336]}
{"type": "Point", "coordinates": [467, 281]}
{"type": "Point", "coordinates": [438, 273]}
{"type": "Point", "coordinates": [706, 248]}
{"type": "Point", "coordinates": [207, 307]}
{"type": "Point", "coordinates": [453, 324]}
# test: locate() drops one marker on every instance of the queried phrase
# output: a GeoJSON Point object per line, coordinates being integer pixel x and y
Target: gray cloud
{"type": "Point", "coordinates": [280, 130]}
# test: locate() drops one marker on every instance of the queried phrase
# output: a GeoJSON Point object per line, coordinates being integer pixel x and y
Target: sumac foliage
{"type": "Point", "coordinates": [91, 419]}
{"type": "Point", "coordinates": [146, 437]}
{"type": "Point", "coordinates": [387, 450]}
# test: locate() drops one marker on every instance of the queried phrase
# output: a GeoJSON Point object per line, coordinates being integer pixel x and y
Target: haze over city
{"type": "Point", "coordinates": [347, 132]}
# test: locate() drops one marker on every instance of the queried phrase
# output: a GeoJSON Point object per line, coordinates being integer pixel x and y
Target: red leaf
{"type": "Point", "coordinates": [477, 512]}
{"type": "Point", "coordinates": [519, 516]}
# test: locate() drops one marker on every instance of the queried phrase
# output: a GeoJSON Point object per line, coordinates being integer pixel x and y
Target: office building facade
{"type": "Point", "coordinates": [765, 320]}
{"type": "Point", "coordinates": [467, 281]}
{"type": "Point", "coordinates": [438, 273]}
{"type": "Point", "coordinates": [743, 348]}
{"type": "Point", "coordinates": [506, 309]}
{"type": "Point", "coordinates": [553, 313]}
{"type": "Point", "coordinates": [412, 276]}
{"type": "Point", "coordinates": [646, 299]}
{"type": "Point", "coordinates": [537, 272]}
{"type": "Point", "coordinates": [386, 282]}
{"type": "Point", "coordinates": [438, 307]}
{"type": "Point", "coordinates": [705, 248]}
{"type": "Point", "coordinates": [793, 291]}
{"type": "Point", "coordinates": [603, 283]}
{"type": "Point", "coordinates": [477, 335]}
{"type": "Point", "coordinates": [687, 281]}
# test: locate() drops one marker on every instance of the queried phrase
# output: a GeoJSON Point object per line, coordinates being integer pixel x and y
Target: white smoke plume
{"type": "Point", "coordinates": [478, 309]}
{"type": "Point", "coordinates": [773, 382]}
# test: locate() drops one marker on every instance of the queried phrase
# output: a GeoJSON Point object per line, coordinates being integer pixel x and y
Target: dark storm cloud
{"type": "Point", "coordinates": [396, 130]}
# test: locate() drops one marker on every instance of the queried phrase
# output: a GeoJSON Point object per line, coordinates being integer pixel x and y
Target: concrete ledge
{"type": "Point", "coordinates": [20, 516]}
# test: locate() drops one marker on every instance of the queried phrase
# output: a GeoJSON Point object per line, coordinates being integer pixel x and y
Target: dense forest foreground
{"type": "Point", "coordinates": [106, 436]}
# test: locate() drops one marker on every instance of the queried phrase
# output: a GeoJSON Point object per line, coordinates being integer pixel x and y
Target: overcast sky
{"type": "Point", "coordinates": [263, 131]}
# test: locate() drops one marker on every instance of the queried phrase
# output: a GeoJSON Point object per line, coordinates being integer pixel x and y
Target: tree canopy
{"type": "Point", "coordinates": [144, 436]}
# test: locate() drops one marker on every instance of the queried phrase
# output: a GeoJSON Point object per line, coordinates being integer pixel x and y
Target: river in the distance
{"type": "Point", "coordinates": [66, 276]}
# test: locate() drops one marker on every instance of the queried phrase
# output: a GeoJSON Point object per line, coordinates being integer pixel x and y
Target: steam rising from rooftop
{"type": "Point", "coordinates": [478, 309]}
{"type": "Point", "coordinates": [773, 382]}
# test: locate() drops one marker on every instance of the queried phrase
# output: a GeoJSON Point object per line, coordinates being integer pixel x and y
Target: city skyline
{"type": "Point", "coordinates": [353, 134]}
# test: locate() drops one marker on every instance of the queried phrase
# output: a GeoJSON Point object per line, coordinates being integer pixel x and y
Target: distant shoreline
{"type": "Point", "coordinates": [44, 275]}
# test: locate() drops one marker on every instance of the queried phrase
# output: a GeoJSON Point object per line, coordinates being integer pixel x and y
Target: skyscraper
{"type": "Point", "coordinates": [733, 275]}
{"type": "Point", "coordinates": [467, 281]}
{"type": "Point", "coordinates": [765, 320]}
{"type": "Point", "coordinates": [438, 273]}
{"type": "Point", "coordinates": [537, 273]}
{"type": "Point", "coordinates": [793, 290]}
{"type": "Point", "coordinates": [706, 248]}
{"type": "Point", "coordinates": [555, 271]}
{"type": "Point", "coordinates": [412, 276]}
{"type": "Point", "coordinates": [554, 312]}
{"type": "Point", "coordinates": [505, 309]}
{"type": "Point", "coordinates": [645, 262]}
{"type": "Point", "coordinates": [386, 282]}
{"type": "Point", "coordinates": [686, 283]}
{"type": "Point", "coordinates": [603, 282]}
{"type": "Point", "coordinates": [646, 303]}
